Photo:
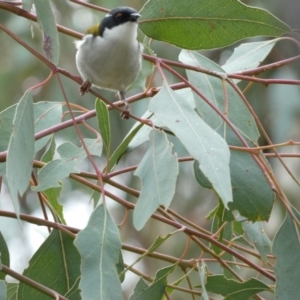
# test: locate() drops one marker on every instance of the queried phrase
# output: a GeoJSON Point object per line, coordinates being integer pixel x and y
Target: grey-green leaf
{"type": "Point", "coordinates": [2, 290]}
{"type": "Point", "coordinates": [21, 149]}
{"type": "Point", "coordinates": [71, 156]}
{"type": "Point", "coordinates": [27, 4]}
{"type": "Point", "coordinates": [257, 235]}
{"type": "Point", "coordinates": [2, 169]}
{"type": "Point", "coordinates": [207, 24]}
{"type": "Point", "coordinates": [47, 22]}
{"type": "Point", "coordinates": [213, 88]}
{"type": "Point", "coordinates": [46, 114]}
{"type": "Point", "coordinates": [99, 246]}
{"type": "Point", "coordinates": [202, 270]}
{"type": "Point", "coordinates": [200, 140]}
{"type": "Point", "coordinates": [142, 136]}
{"type": "Point", "coordinates": [158, 172]}
{"type": "Point", "coordinates": [286, 248]}
{"type": "Point", "coordinates": [248, 56]}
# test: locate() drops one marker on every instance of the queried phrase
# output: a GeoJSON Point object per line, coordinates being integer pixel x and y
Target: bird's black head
{"type": "Point", "coordinates": [118, 16]}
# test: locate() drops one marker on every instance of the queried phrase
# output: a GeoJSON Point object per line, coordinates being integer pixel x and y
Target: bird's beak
{"type": "Point", "coordinates": [134, 16]}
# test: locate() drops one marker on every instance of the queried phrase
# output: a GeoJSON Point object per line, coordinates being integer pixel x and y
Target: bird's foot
{"type": "Point", "coordinates": [85, 87]}
{"type": "Point", "coordinates": [125, 114]}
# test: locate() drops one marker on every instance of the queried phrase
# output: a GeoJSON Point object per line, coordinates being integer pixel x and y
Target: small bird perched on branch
{"type": "Point", "coordinates": [109, 55]}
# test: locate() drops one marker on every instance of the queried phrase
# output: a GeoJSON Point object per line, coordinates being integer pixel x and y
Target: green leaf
{"type": "Point", "coordinates": [50, 175]}
{"type": "Point", "coordinates": [21, 150]}
{"type": "Point", "coordinates": [139, 289]}
{"type": "Point", "coordinates": [227, 234]}
{"type": "Point", "coordinates": [200, 177]}
{"type": "Point", "coordinates": [248, 56]}
{"type": "Point", "coordinates": [212, 88]}
{"type": "Point", "coordinates": [120, 267]}
{"type": "Point", "coordinates": [158, 242]}
{"type": "Point", "coordinates": [207, 24]}
{"type": "Point", "coordinates": [122, 147]}
{"type": "Point", "coordinates": [52, 196]}
{"type": "Point", "coordinates": [252, 194]}
{"type": "Point", "coordinates": [203, 143]}
{"type": "Point", "coordinates": [2, 290]}
{"type": "Point", "coordinates": [48, 25]}
{"type": "Point", "coordinates": [74, 292]}
{"type": "Point", "coordinates": [56, 264]}
{"type": "Point", "coordinates": [99, 276]}
{"type": "Point", "coordinates": [170, 289]}
{"type": "Point", "coordinates": [49, 154]}
{"type": "Point", "coordinates": [113, 160]}
{"type": "Point", "coordinates": [258, 237]}
{"type": "Point", "coordinates": [4, 255]}
{"type": "Point", "coordinates": [234, 290]}
{"type": "Point", "coordinates": [154, 291]}
{"type": "Point", "coordinates": [12, 291]}
{"type": "Point", "coordinates": [158, 173]}
{"type": "Point", "coordinates": [103, 123]}
{"type": "Point", "coordinates": [286, 248]}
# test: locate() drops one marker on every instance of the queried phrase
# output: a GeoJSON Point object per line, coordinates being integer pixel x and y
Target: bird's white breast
{"type": "Point", "coordinates": [112, 61]}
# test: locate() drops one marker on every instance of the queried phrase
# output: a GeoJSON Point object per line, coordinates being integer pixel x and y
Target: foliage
{"type": "Point", "coordinates": [199, 129]}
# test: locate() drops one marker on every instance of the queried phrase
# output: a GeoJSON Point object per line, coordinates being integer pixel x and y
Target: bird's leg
{"type": "Point", "coordinates": [125, 114]}
{"type": "Point", "coordinates": [85, 87]}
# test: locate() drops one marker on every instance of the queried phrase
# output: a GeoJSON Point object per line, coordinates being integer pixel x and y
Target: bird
{"type": "Point", "coordinates": [109, 55]}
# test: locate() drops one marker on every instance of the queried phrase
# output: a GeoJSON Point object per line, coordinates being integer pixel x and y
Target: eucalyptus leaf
{"type": "Point", "coordinates": [206, 24]}
{"type": "Point", "coordinates": [46, 114]}
{"type": "Point", "coordinates": [58, 169]}
{"type": "Point", "coordinates": [4, 255]}
{"type": "Point", "coordinates": [47, 22]}
{"type": "Point", "coordinates": [202, 270]}
{"type": "Point", "coordinates": [12, 291]}
{"type": "Point", "coordinates": [217, 91]}
{"type": "Point", "coordinates": [158, 172]}
{"type": "Point", "coordinates": [286, 248]}
{"type": "Point", "coordinates": [99, 276]}
{"type": "Point", "coordinates": [2, 290]}
{"type": "Point", "coordinates": [248, 56]}
{"type": "Point", "coordinates": [258, 237]}
{"type": "Point", "coordinates": [154, 291]}
{"type": "Point", "coordinates": [200, 140]}
{"type": "Point", "coordinates": [103, 123]}
{"type": "Point", "coordinates": [21, 149]}
{"type": "Point", "coordinates": [235, 290]}
{"type": "Point", "coordinates": [55, 264]}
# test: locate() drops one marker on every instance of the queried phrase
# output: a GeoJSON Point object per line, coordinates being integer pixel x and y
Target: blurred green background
{"type": "Point", "coordinates": [278, 107]}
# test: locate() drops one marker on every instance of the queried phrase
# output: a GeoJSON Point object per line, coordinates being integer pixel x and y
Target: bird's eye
{"type": "Point", "coordinates": [119, 16]}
